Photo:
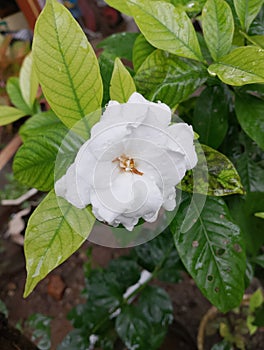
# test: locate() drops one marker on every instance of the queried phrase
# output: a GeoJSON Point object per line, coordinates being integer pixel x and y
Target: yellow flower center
{"type": "Point", "coordinates": [127, 164]}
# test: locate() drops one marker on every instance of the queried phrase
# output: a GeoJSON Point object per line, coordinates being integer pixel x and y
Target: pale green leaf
{"type": "Point", "coordinates": [28, 81]}
{"type": "Point", "coordinates": [244, 65]}
{"type": "Point", "coordinates": [166, 27]}
{"type": "Point", "coordinates": [55, 230]}
{"type": "Point", "coordinates": [15, 95]}
{"type": "Point", "coordinates": [259, 215]}
{"type": "Point", "coordinates": [120, 5]}
{"type": "Point", "coordinates": [10, 114]}
{"type": "Point", "coordinates": [247, 10]}
{"type": "Point", "coordinates": [212, 251]}
{"type": "Point", "coordinates": [122, 84]}
{"type": "Point", "coordinates": [66, 65]}
{"type": "Point", "coordinates": [218, 27]}
{"type": "Point", "coordinates": [250, 114]}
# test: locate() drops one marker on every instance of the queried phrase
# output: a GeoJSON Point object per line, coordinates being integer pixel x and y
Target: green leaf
{"type": "Point", "coordinates": [39, 124]}
{"type": "Point", "coordinates": [9, 115]}
{"type": "Point", "coordinates": [122, 84]}
{"type": "Point", "coordinates": [168, 78]}
{"type": "Point", "coordinates": [212, 251]}
{"type": "Point", "coordinates": [259, 260]}
{"type": "Point", "coordinates": [249, 161]}
{"type": "Point", "coordinates": [242, 210]}
{"type": "Point", "coordinates": [120, 44]}
{"type": "Point", "coordinates": [244, 65]}
{"type": "Point", "coordinates": [247, 10]}
{"type": "Point", "coordinates": [34, 162]}
{"type": "Point", "coordinates": [160, 250]}
{"type": "Point", "coordinates": [28, 81]}
{"type": "Point", "coordinates": [259, 215]}
{"type": "Point", "coordinates": [214, 175]}
{"type": "Point", "coordinates": [166, 27]}
{"type": "Point", "coordinates": [106, 63]}
{"type": "Point", "coordinates": [218, 27]}
{"type": "Point", "coordinates": [141, 50]}
{"type": "Point", "coordinates": [144, 326]}
{"type": "Point", "coordinates": [55, 230]}
{"type": "Point", "coordinates": [257, 40]}
{"type": "Point", "coordinates": [250, 114]}
{"type": "Point", "coordinates": [40, 326]}
{"type": "Point", "coordinates": [15, 95]}
{"type": "Point", "coordinates": [120, 5]}
{"type": "Point", "coordinates": [211, 114]}
{"type": "Point", "coordinates": [66, 65]}
{"type": "Point", "coordinates": [256, 300]}
{"type": "Point", "coordinates": [223, 345]}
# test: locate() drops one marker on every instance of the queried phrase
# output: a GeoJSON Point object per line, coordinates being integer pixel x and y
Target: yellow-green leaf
{"type": "Point", "coordinates": [55, 230]}
{"type": "Point", "coordinates": [244, 65]}
{"type": "Point", "coordinates": [66, 65]}
{"type": "Point", "coordinates": [122, 84]}
{"type": "Point", "coordinates": [166, 27]}
{"type": "Point", "coordinates": [218, 27]}
{"type": "Point", "coordinates": [10, 114]}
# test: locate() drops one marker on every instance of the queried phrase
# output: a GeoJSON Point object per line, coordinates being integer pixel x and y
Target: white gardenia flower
{"type": "Point", "coordinates": [130, 166]}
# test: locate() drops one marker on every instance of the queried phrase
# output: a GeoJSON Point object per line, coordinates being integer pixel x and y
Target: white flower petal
{"type": "Point", "coordinates": [182, 140]}
{"type": "Point", "coordinates": [130, 166]}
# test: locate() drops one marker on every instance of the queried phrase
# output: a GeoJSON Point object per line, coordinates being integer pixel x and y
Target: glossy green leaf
{"type": "Point", "coordinates": [166, 27]}
{"type": "Point", "coordinates": [28, 81]}
{"type": "Point", "coordinates": [141, 50]}
{"type": "Point", "coordinates": [106, 62]}
{"type": "Point", "coordinates": [247, 10]}
{"type": "Point", "coordinates": [259, 260]}
{"type": "Point", "coordinates": [119, 44]}
{"type": "Point", "coordinates": [244, 65]}
{"type": "Point", "coordinates": [157, 251]}
{"type": "Point", "coordinates": [120, 5]}
{"type": "Point", "coordinates": [222, 180]}
{"type": "Point", "coordinates": [212, 252]}
{"type": "Point", "coordinates": [223, 345]}
{"type": "Point", "coordinates": [249, 161]}
{"type": "Point", "coordinates": [218, 27]}
{"type": "Point", "coordinates": [9, 115]}
{"type": "Point", "coordinates": [242, 210]}
{"type": "Point", "coordinates": [122, 84]}
{"type": "Point", "coordinates": [15, 95]}
{"type": "Point", "coordinates": [168, 78]}
{"type": "Point", "coordinates": [211, 114]}
{"type": "Point", "coordinates": [105, 288]}
{"type": "Point", "coordinates": [51, 236]}
{"type": "Point", "coordinates": [144, 326]}
{"type": "Point", "coordinates": [66, 65]}
{"type": "Point", "coordinates": [250, 114]}
{"type": "Point", "coordinates": [256, 90]}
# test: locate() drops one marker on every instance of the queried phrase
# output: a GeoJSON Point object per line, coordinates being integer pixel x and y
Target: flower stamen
{"type": "Point", "coordinates": [127, 164]}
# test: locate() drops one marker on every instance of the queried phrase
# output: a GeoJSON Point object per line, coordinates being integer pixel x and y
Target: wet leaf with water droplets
{"type": "Point", "coordinates": [218, 262]}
